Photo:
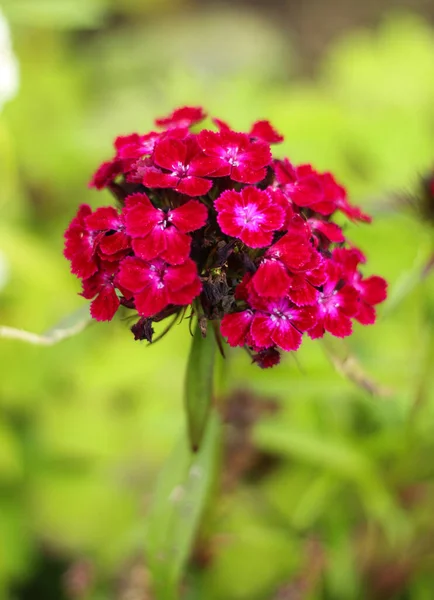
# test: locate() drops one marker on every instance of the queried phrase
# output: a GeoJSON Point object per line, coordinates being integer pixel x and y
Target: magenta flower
{"type": "Point", "coordinates": [280, 323]}
{"type": "Point", "coordinates": [265, 132]}
{"type": "Point", "coordinates": [336, 305]}
{"type": "Point", "coordinates": [371, 290]}
{"type": "Point", "coordinates": [181, 165]}
{"type": "Point", "coordinates": [182, 117]}
{"type": "Point", "coordinates": [101, 287]}
{"type": "Point", "coordinates": [108, 226]}
{"type": "Point", "coordinates": [155, 284]}
{"type": "Point", "coordinates": [210, 220]}
{"type": "Point", "coordinates": [106, 173]}
{"type": "Point", "coordinates": [271, 323]}
{"type": "Point", "coordinates": [249, 215]}
{"type": "Point", "coordinates": [235, 155]}
{"type": "Point", "coordinates": [81, 244]}
{"type": "Point", "coordinates": [162, 233]}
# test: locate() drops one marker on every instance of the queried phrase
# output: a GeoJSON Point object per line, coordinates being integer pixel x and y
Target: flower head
{"type": "Point", "coordinates": [210, 220]}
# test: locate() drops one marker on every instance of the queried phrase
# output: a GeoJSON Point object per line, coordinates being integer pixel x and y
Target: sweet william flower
{"type": "Point", "coordinates": [155, 284]}
{"type": "Point", "coordinates": [162, 233]}
{"type": "Point", "coordinates": [235, 155]}
{"type": "Point", "coordinates": [81, 244]}
{"type": "Point", "coordinates": [181, 165]}
{"type": "Point", "coordinates": [265, 132]}
{"type": "Point", "coordinates": [182, 117]}
{"type": "Point", "coordinates": [101, 288]}
{"type": "Point", "coordinates": [336, 305]}
{"type": "Point", "coordinates": [208, 223]}
{"type": "Point", "coordinates": [249, 215]}
{"type": "Point", "coordinates": [108, 226]}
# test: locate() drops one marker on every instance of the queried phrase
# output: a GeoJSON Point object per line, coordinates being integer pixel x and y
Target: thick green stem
{"type": "Point", "coordinates": [199, 384]}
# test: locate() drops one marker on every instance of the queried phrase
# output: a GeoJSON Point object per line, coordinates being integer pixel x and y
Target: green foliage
{"type": "Point", "coordinates": [86, 426]}
{"type": "Point", "coordinates": [183, 487]}
{"type": "Point", "coordinates": [199, 379]}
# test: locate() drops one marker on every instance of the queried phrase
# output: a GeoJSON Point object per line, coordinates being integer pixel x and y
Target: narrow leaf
{"type": "Point", "coordinates": [199, 384]}
{"type": "Point", "coordinates": [179, 501]}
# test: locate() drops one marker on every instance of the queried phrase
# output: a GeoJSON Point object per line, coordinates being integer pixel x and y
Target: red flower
{"type": "Point", "coordinates": [108, 225]}
{"type": "Point", "coordinates": [279, 322]}
{"type": "Point", "coordinates": [330, 231]}
{"type": "Point", "coordinates": [182, 117]}
{"type": "Point", "coordinates": [236, 326]}
{"type": "Point", "coordinates": [155, 284]}
{"type": "Point", "coordinates": [249, 215]}
{"type": "Point", "coordinates": [80, 244]}
{"type": "Point", "coordinates": [235, 155]}
{"type": "Point", "coordinates": [101, 287]}
{"type": "Point", "coordinates": [371, 290]}
{"type": "Point", "coordinates": [318, 191]}
{"type": "Point", "coordinates": [272, 322]}
{"type": "Point", "coordinates": [106, 173]}
{"type": "Point", "coordinates": [134, 146]}
{"type": "Point", "coordinates": [182, 167]}
{"type": "Point", "coordinates": [335, 305]}
{"type": "Point", "coordinates": [262, 239]}
{"type": "Point", "coordinates": [159, 233]}
{"type": "Point", "coordinates": [275, 277]}
{"type": "Point", "coordinates": [265, 132]}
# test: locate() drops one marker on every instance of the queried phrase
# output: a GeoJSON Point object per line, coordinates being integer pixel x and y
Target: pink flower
{"type": "Point", "coordinates": [182, 167]}
{"type": "Point", "coordinates": [155, 284]}
{"type": "Point", "coordinates": [134, 146]}
{"type": "Point", "coordinates": [336, 305]}
{"type": "Point", "coordinates": [280, 322]}
{"type": "Point", "coordinates": [271, 323]}
{"type": "Point", "coordinates": [265, 132]}
{"type": "Point", "coordinates": [276, 276]}
{"type": "Point", "coordinates": [235, 155]}
{"type": "Point", "coordinates": [236, 326]}
{"type": "Point", "coordinates": [326, 230]}
{"type": "Point", "coordinates": [182, 117]}
{"type": "Point", "coordinates": [106, 173]}
{"type": "Point", "coordinates": [371, 290]}
{"type": "Point", "coordinates": [81, 244]}
{"type": "Point", "coordinates": [101, 287]}
{"type": "Point", "coordinates": [318, 191]}
{"type": "Point", "coordinates": [108, 225]}
{"type": "Point", "coordinates": [259, 251]}
{"type": "Point", "coordinates": [249, 215]}
{"type": "Point", "coordinates": [159, 233]}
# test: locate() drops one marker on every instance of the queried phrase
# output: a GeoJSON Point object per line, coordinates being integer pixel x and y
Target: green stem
{"type": "Point", "coordinates": [199, 384]}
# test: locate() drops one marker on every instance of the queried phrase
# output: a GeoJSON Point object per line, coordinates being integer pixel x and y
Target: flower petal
{"type": "Point", "coordinates": [193, 186]}
{"type": "Point", "coordinates": [105, 305]}
{"type": "Point", "coordinates": [189, 217]}
{"type": "Point", "coordinates": [151, 301]}
{"type": "Point", "coordinates": [235, 327]}
{"type": "Point", "coordinates": [142, 217]}
{"type": "Point", "coordinates": [271, 279]}
{"type": "Point", "coordinates": [177, 246]}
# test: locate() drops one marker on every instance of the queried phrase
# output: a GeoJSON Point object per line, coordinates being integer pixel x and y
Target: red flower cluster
{"type": "Point", "coordinates": [212, 217]}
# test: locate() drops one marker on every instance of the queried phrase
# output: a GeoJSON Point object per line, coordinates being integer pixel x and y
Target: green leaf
{"type": "Point", "coordinates": [199, 384]}
{"type": "Point", "coordinates": [178, 504]}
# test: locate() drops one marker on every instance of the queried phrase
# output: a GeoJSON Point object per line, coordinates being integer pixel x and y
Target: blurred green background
{"type": "Point", "coordinates": [326, 491]}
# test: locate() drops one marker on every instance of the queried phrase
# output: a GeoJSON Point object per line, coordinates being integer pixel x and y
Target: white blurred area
{"type": "Point", "coordinates": [4, 270]}
{"type": "Point", "coordinates": [9, 83]}
{"type": "Point", "coordinates": [9, 72]}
